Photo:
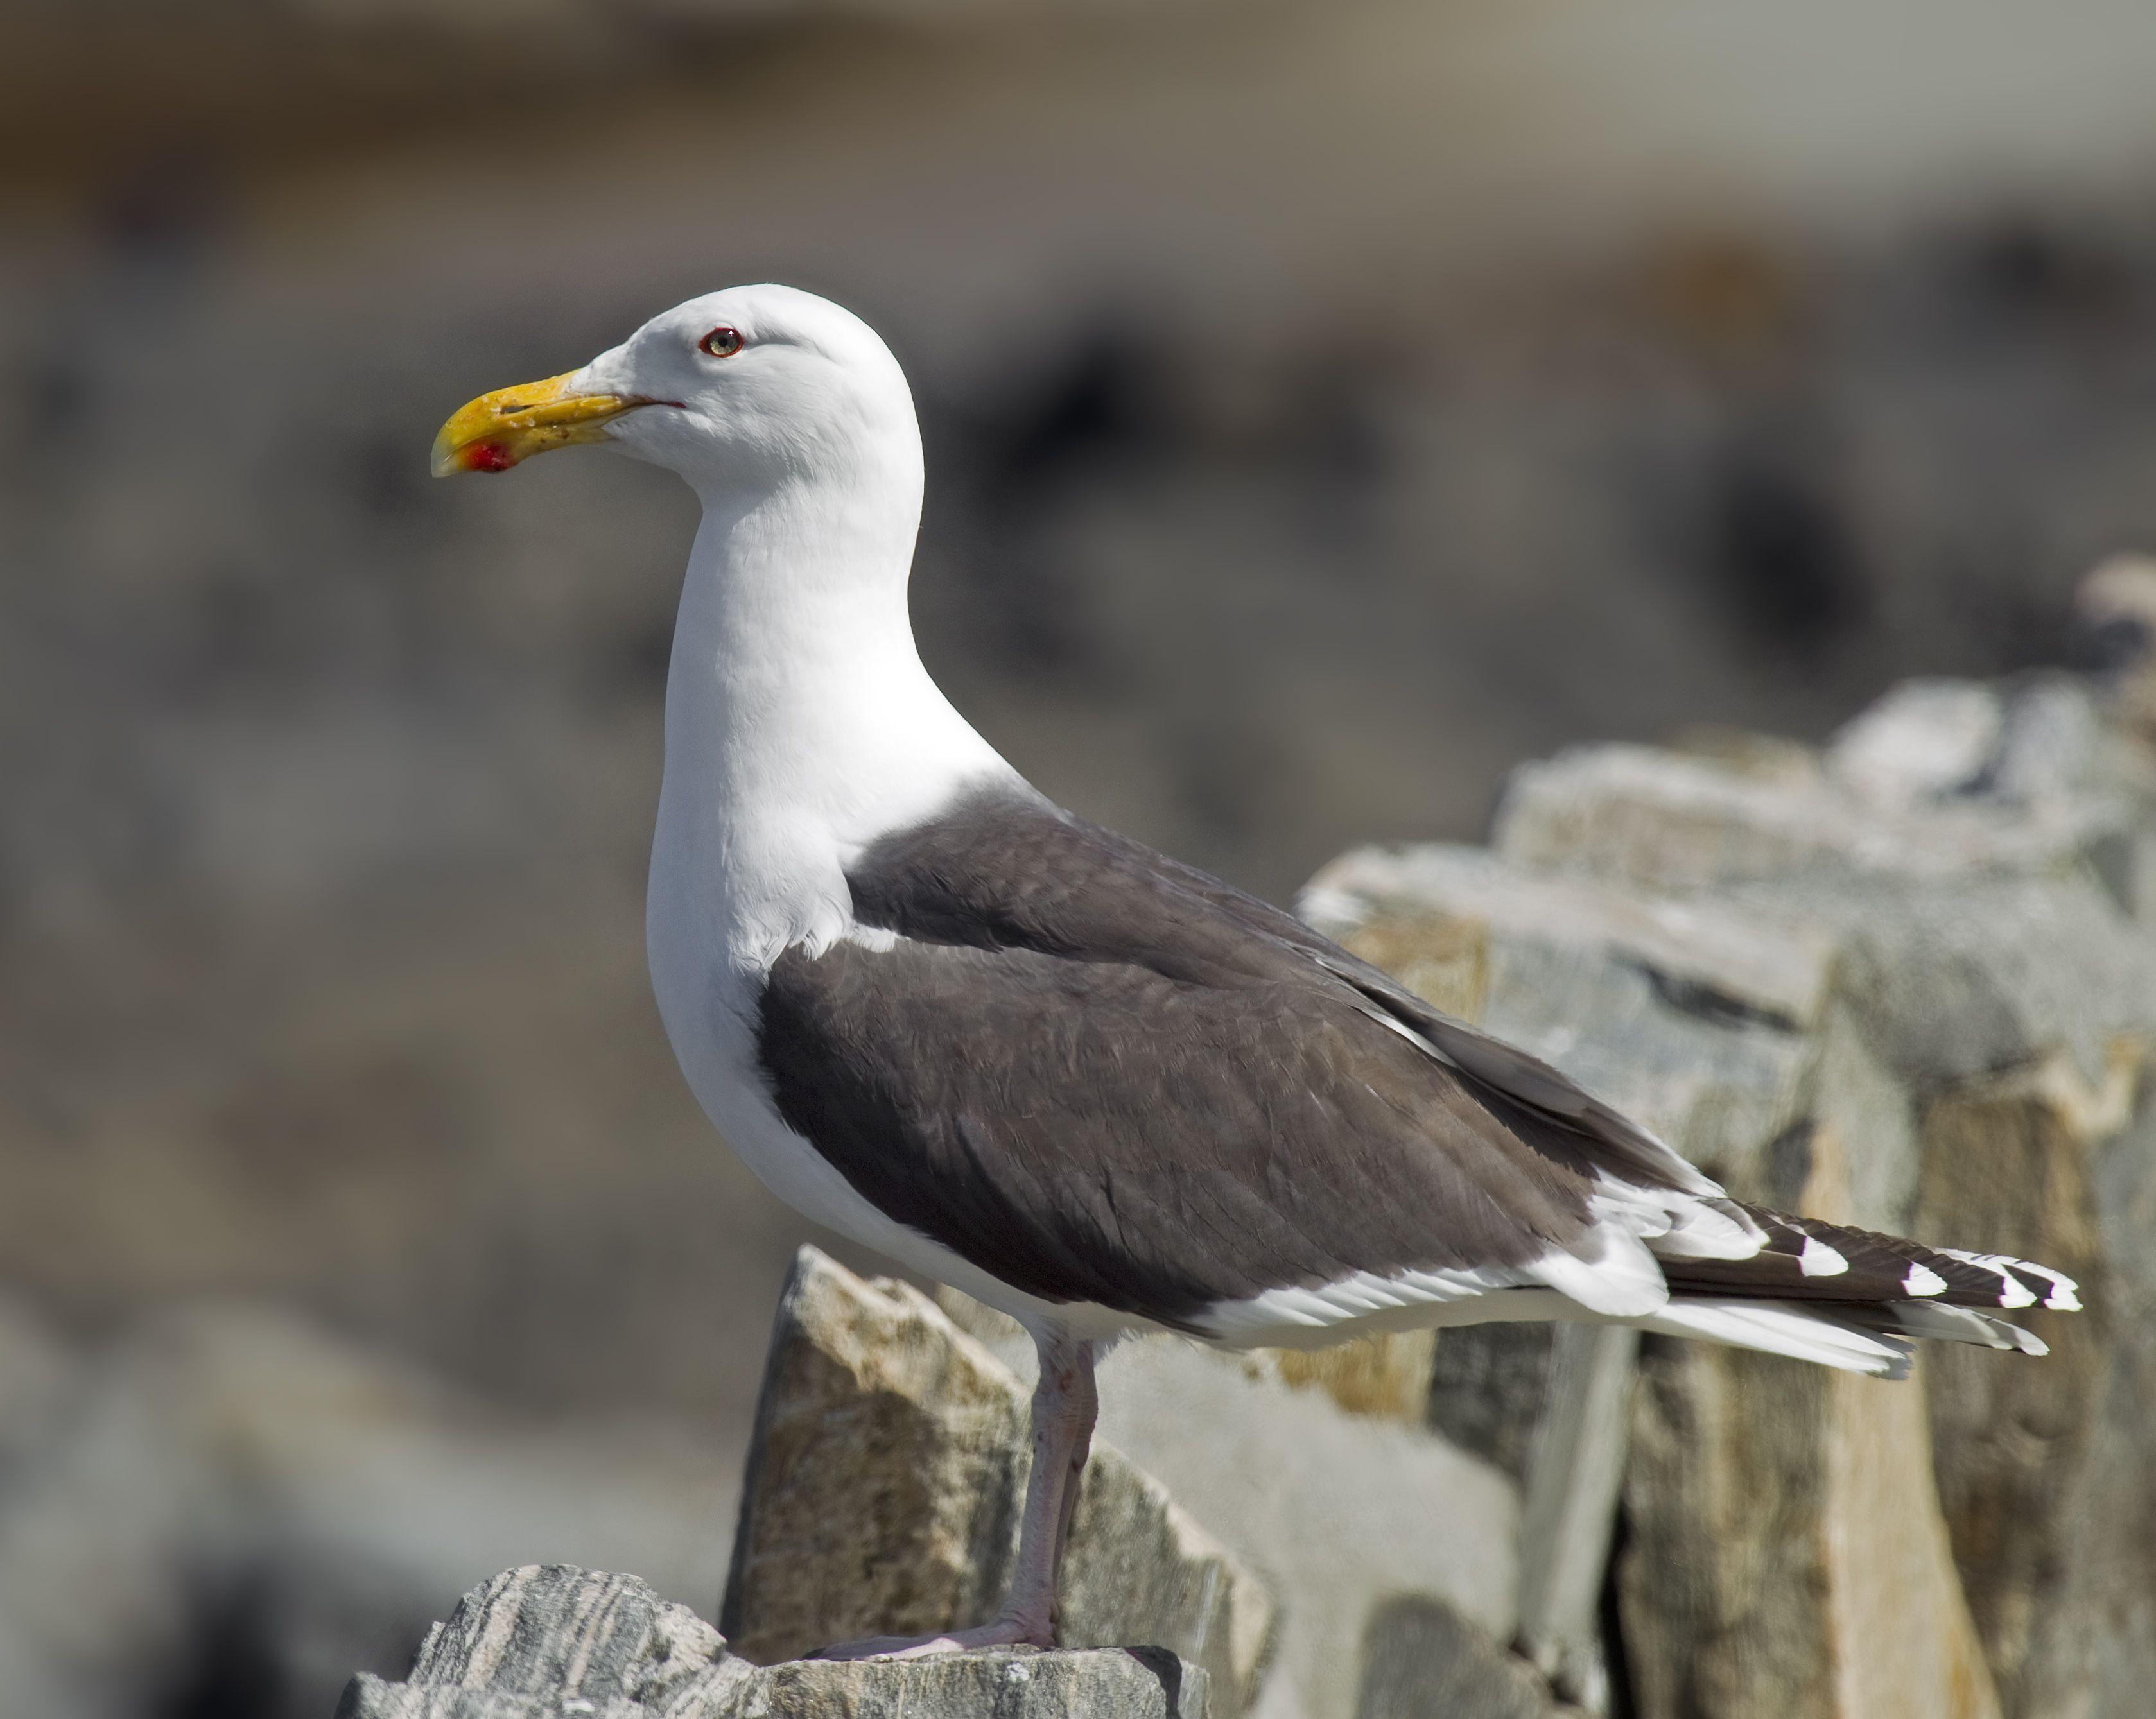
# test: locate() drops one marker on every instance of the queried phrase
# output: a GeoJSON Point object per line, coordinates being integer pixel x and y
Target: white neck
{"type": "Point", "coordinates": [800, 722]}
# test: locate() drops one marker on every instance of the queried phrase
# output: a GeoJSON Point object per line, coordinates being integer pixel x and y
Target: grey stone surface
{"type": "Point", "coordinates": [1901, 987]}
{"type": "Point", "coordinates": [884, 1488]}
{"type": "Point", "coordinates": [1673, 821]}
{"type": "Point", "coordinates": [1489, 1388]}
{"type": "Point", "coordinates": [554, 1642]}
{"type": "Point", "coordinates": [1575, 1468]}
{"type": "Point", "coordinates": [1925, 740]}
{"type": "Point", "coordinates": [1423, 1661]}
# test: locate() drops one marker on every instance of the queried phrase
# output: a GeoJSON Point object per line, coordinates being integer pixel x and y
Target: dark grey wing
{"type": "Point", "coordinates": [1098, 1131]}
{"type": "Point", "coordinates": [1007, 869]}
{"type": "Point", "coordinates": [1104, 1076]}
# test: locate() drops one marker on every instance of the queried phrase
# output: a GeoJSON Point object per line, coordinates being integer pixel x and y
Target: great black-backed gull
{"type": "Point", "coordinates": [1025, 1055]}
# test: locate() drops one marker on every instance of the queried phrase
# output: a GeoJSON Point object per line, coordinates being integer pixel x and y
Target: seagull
{"type": "Point", "coordinates": [1021, 1055]}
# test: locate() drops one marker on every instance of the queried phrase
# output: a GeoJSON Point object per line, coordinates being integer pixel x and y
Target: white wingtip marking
{"type": "Point", "coordinates": [1921, 1281]}
{"type": "Point", "coordinates": [2012, 1291]}
{"type": "Point", "coordinates": [1818, 1260]}
{"type": "Point", "coordinates": [2063, 1287]}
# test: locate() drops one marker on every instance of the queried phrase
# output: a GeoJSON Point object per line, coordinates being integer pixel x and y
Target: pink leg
{"type": "Point", "coordinates": [1064, 1406]}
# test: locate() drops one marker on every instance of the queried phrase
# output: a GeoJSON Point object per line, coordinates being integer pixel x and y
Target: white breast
{"type": "Point", "coordinates": [800, 727]}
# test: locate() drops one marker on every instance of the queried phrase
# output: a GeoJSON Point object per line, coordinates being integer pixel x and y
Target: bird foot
{"type": "Point", "coordinates": [1004, 1632]}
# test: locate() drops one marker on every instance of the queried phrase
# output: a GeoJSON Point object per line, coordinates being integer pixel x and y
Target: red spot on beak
{"type": "Point", "coordinates": [488, 456]}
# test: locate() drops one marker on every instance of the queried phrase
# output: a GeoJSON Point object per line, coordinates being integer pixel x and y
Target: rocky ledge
{"type": "Point", "coordinates": [552, 1642]}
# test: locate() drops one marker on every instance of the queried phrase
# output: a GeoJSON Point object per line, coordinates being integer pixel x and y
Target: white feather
{"type": "Point", "coordinates": [1922, 1280]}
{"type": "Point", "coordinates": [1782, 1328]}
{"type": "Point", "coordinates": [1818, 1260]}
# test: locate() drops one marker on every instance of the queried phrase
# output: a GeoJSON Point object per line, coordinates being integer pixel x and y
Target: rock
{"type": "Point", "coordinates": [1788, 1552]}
{"type": "Point", "coordinates": [38, 1374]}
{"type": "Point", "coordinates": [554, 1639]}
{"type": "Point", "coordinates": [2115, 612]}
{"type": "Point", "coordinates": [2100, 1649]}
{"type": "Point", "coordinates": [884, 1488]}
{"type": "Point", "coordinates": [1429, 913]}
{"type": "Point", "coordinates": [1574, 1470]}
{"type": "Point", "coordinates": [1423, 1661]}
{"type": "Point", "coordinates": [554, 1642]}
{"type": "Point", "coordinates": [1489, 1387]}
{"type": "Point", "coordinates": [1686, 1014]}
{"type": "Point", "coordinates": [1100, 1683]}
{"type": "Point", "coordinates": [1679, 823]}
{"type": "Point", "coordinates": [1921, 1010]}
{"type": "Point", "coordinates": [1386, 1377]}
{"type": "Point", "coordinates": [1925, 740]}
{"type": "Point", "coordinates": [1340, 1513]}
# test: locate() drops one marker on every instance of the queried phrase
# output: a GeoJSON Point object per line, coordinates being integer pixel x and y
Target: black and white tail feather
{"type": "Point", "coordinates": [1853, 1298]}
{"type": "Point", "coordinates": [1719, 1269]}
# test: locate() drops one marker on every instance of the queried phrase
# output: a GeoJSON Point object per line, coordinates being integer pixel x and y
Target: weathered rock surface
{"type": "Point", "coordinates": [884, 1489]}
{"type": "Point", "coordinates": [553, 1642]}
{"type": "Point", "coordinates": [1902, 984]}
{"type": "Point", "coordinates": [1423, 1661]}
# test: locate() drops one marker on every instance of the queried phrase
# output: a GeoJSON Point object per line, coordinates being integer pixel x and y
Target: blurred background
{"type": "Point", "coordinates": [1327, 407]}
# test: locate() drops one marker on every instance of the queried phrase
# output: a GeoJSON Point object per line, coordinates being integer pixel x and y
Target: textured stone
{"type": "Point", "coordinates": [1686, 1014]}
{"type": "Point", "coordinates": [1787, 1552]}
{"type": "Point", "coordinates": [884, 1490]}
{"type": "Point", "coordinates": [1386, 1377]}
{"type": "Point", "coordinates": [1427, 913]}
{"type": "Point", "coordinates": [1423, 1661]}
{"type": "Point", "coordinates": [1575, 1468]}
{"type": "Point", "coordinates": [1682, 822]}
{"type": "Point", "coordinates": [1969, 1078]}
{"type": "Point", "coordinates": [1924, 740]}
{"type": "Point", "coordinates": [554, 1642]}
{"type": "Point", "coordinates": [1916, 1007]}
{"type": "Point", "coordinates": [2012, 1446]}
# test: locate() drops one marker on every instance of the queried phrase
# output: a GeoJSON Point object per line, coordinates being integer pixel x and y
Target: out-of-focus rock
{"type": "Point", "coordinates": [1574, 1470]}
{"type": "Point", "coordinates": [39, 1373]}
{"type": "Point", "coordinates": [2115, 612]}
{"type": "Point", "coordinates": [2002, 1159]}
{"type": "Point", "coordinates": [1689, 1015]}
{"type": "Point", "coordinates": [1899, 990]}
{"type": "Point", "coordinates": [228, 1510]}
{"type": "Point", "coordinates": [1788, 1553]}
{"type": "Point", "coordinates": [884, 1490]}
{"type": "Point", "coordinates": [1421, 1660]}
{"type": "Point", "coordinates": [1386, 1376]}
{"type": "Point", "coordinates": [553, 1642]}
{"type": "Point", "coordinates": [1341, 1513]}
{"type": "Point", "coordinates": [1924, 740]}
{"type": "Point", "coordinates": [1675, 823]}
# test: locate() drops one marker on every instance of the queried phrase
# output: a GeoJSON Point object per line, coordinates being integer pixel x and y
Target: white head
{"type": "Point", "coordinates": [739, 390]}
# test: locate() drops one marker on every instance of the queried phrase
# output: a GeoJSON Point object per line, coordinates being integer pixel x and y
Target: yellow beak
{"type": "Point", "coordinates": [497, 430]}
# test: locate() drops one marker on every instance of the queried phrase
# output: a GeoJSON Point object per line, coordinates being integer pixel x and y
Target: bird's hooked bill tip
{"type": "Point", "coordinates": [510, 425]}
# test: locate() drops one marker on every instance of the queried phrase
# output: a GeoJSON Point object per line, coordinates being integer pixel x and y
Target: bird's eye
{"type": "Point", "coordinates": [722, 342]}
